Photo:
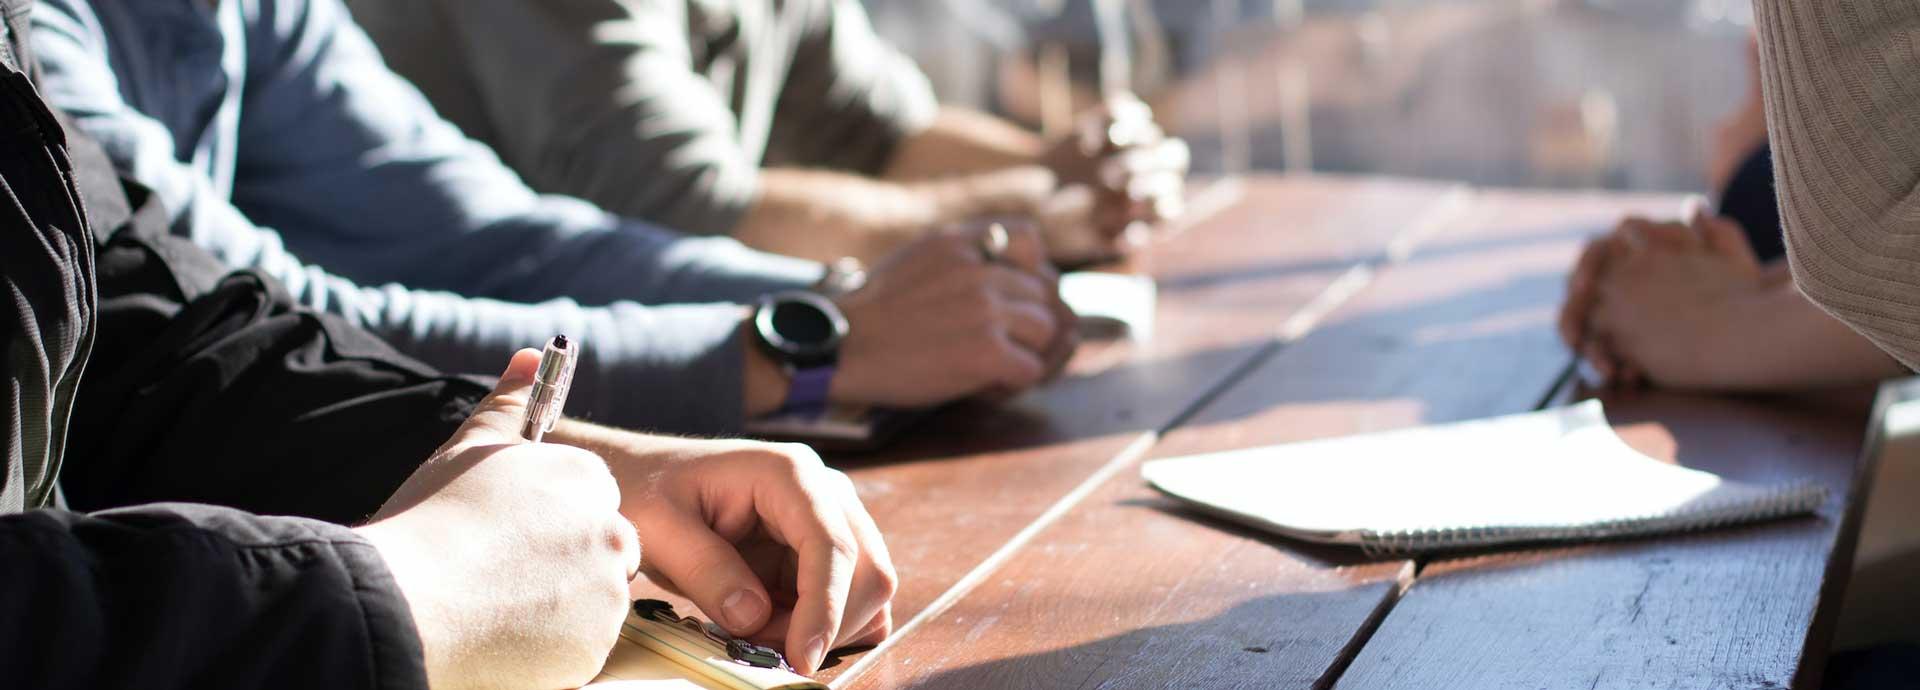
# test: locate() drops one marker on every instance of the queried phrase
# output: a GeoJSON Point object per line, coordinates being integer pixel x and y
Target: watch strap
{"type": "Point", "coordinates": [807, 391]}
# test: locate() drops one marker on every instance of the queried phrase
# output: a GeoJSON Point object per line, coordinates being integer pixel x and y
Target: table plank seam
{"type": "Point", "coordinates": [1562, 387]}
{"type": "Point", "coordinates": [1403, 581]}
{"type": "Point", "coordinates": [1417, 566]}
{"type": "Point", "coordinates": [993, 561]}
{"type": "Point", "coordinates": [1454, 203]}
{"type": "Point", "coordinates": [1349, 284]}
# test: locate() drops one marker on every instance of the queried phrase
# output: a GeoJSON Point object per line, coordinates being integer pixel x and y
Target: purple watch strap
{"type": "Point", "coordinates": [808, 392]}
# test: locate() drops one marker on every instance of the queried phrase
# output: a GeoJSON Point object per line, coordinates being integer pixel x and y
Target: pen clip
{"type": "Point", "coordinates": [564, 386]}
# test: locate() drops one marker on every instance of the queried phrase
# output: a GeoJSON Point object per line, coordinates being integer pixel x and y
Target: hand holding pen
{"type": "Point", "coordinates": [719, 515]}
{"type": "Point", "coordinates": [443, 532]}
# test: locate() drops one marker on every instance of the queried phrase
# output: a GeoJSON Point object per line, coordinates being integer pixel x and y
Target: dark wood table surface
{"type": "Point", "coordinates": [1033, 555]}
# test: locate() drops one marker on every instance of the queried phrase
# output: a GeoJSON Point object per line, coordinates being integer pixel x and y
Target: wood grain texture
{"type": "Point", "coordinates": [960, 485]}
{"type": "Point", "coordinates": [1130, 590]}
{"type": "Point", "coordinates": [1737, 608]}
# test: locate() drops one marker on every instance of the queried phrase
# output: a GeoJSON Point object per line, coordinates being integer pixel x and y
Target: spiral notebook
{"type": "Point", "coordinates": [1558, 475]}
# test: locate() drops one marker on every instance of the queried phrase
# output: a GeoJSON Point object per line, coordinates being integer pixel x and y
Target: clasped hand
{"type": "Point", "coordinates": [1117, 172]}
{"type": "Point", "coordinates": [1657, 302]}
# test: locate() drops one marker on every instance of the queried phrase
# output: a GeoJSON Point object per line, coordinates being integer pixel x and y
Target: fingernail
{"type": "Point", "coordinates": [816, 652]}
{"type": "Point", "coordinates": [742, 609]}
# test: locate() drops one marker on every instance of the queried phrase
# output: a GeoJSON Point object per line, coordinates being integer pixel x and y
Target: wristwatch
{"type": "Point", "coordinates": [802, 331]}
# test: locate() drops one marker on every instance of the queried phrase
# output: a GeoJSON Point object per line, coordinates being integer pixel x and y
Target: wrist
{"type": "Point", "coordinates": [399, 552]}
{"type": "Point", "coordinates": [764, 380]}
{"type": "Point", "coordinates": [944, 200]}
{"type": "Point", "coordinates": [797, 335]}
{"type": "Point", "coordinates": [1726, 355]}
{"type": "Point", "coordinates": [892, 215]}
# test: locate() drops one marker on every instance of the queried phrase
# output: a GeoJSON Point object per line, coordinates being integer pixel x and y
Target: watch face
{"type": "Point", "coordinates": [802, 324]}
{"type": "Point", "coordinates": [805, 329]}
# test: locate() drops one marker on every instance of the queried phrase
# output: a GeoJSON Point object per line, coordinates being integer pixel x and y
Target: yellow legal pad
{"type": "Point", "coordinates": [653, 655]}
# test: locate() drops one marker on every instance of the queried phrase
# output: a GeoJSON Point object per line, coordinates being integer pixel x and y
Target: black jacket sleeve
{"type": "Point", "coordinates": [244, 400]}
{"type": "Point", "coordinates": [208, 385]}
{"type": "Point", "coordinates": [192, 596]}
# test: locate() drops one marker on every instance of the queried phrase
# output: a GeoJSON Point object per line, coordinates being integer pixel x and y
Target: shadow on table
{"type": "Point", "coordinates": [1410, 341]}
{"type": "Point", "coordinates": [1319, 556]}
{"type": "Point", "coordinates": [1283, 641]}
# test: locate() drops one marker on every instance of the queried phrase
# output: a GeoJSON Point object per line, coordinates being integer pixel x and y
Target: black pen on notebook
{"type": "Point", "coordinates": [550, 384]}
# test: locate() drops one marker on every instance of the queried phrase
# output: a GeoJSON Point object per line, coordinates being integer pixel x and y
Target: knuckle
{"type": "Point", "coordinates": [619, 538]}
{"type": "Point", "coordinates": [793, 463]}
{"type": "Point", "coordinates": [841, 480]}
{"type": "Point", "coordinates": [841, 546]}
{"type": "Point", "coordinates": [886, 579]}
{"type": "Point", "coordinates": [801, 455]}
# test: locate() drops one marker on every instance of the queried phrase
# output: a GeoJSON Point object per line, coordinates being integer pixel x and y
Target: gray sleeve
{"type": "Point", "coordinates": [851, 98]}
{"type": "Point", "coordinates": [593, 98]}
{"type": "Point", "coordinates": [674, 369]}
{"type": "Point", "coordinates": [1842, 82]}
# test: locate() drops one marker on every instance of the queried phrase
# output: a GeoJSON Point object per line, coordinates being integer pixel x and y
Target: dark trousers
{"type": "Point", "coordinates": [1886, 667]}
{"type": "Point", "coordinates": [1749, 199]}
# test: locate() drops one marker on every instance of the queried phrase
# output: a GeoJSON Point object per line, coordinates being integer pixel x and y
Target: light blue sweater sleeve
{"type": "Point", "coordinates": [424, 237]}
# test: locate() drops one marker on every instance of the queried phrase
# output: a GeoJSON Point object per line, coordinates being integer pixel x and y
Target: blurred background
{"type": "Point", "coordinates": [1620, 94]}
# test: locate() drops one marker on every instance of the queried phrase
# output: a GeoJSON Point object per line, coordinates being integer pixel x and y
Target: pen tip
{"type": "Point", "coordinates": [560, 341]}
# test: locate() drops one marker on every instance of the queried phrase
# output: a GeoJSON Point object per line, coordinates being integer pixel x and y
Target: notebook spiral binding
{"type": "Point", "coordinates": [1788, 500]}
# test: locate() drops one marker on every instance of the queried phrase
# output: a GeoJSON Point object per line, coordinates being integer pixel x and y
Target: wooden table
{"type": "Point", "coordinates": [1032, 554]}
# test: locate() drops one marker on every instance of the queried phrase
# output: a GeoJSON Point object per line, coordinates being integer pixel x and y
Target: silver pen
{"type": "Point", "coordinates": [550, 384]}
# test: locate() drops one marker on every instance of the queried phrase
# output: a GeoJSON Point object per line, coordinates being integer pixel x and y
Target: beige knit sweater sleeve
{"type": "Point", "coordinates": [1842, 81]}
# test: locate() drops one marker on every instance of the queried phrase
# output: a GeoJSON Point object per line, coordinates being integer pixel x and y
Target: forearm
{"type": "Point", "coordinates": [825, 215]}
{"type": "Point", "coordinates": [1777, 340]}
{"type": "Point", "coordinates": [964, 141]}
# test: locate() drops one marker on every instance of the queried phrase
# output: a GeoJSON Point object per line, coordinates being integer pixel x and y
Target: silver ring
{"type": "Point", "coordinates": [994, 243]}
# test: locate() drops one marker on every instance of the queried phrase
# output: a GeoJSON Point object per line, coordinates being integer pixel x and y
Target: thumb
{"type": "Point", "coordinates": [710, 571]}
{"type": "Point", "coordinates": [498, 417]}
